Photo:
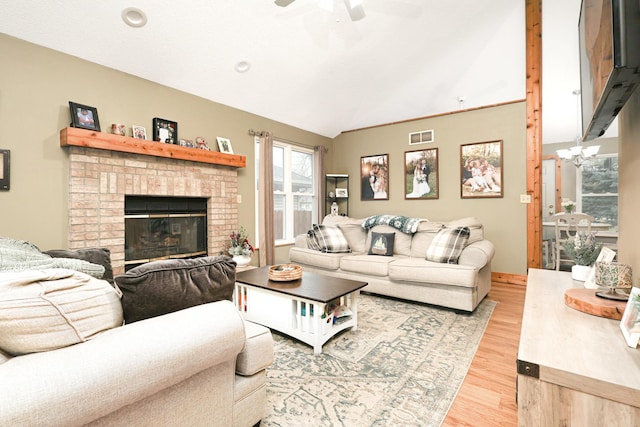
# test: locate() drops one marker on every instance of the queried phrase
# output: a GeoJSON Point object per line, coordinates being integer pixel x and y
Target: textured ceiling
{"type": "Point", "coordinates": [317, 70]}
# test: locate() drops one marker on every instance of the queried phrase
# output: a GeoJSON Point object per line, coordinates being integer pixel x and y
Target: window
{"type": "Point", "coordinates": [294, 201]}
{"type": "Point", "coordinates": [598, 189]}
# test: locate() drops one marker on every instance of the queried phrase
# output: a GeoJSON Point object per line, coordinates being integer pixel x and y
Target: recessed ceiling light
{"type": "Point", "coordinates": [134, 17]}
{"type": "Point", "coordinates": [242, 66]}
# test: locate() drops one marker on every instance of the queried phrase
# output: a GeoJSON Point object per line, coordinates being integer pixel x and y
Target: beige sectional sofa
{"type": "Point", "coordinates": [407, 274]}
{"type": "Point", "coordinates": [202, 366]}
{"type": "Point", "coordinates": [66, 359]}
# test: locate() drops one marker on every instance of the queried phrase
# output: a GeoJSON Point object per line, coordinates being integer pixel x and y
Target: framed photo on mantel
{"type": "Point", "coordinates": [84, 117]}
{"type": "Point", "coordinates": [165, 131]}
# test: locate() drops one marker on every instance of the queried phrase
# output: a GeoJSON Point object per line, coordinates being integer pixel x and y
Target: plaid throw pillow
{"type": "Point", "coordinates": [447, 246]}
{"type": "Point", "coordinates": [326, 238]}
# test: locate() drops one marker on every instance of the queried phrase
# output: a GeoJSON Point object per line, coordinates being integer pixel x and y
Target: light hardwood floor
{"type": "Point", "coordinates": [488, 394]}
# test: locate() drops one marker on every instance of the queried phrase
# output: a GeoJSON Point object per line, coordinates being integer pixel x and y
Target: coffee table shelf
{"type": "Point", "coordinates": [303, 309]}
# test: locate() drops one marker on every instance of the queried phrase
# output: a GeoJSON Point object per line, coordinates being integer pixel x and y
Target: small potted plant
{"type": "Point", "coordinates": [583, 249]}
{"type": "Point", "coordinates": [568, 205]}
{"type": "Point", "coordinates": [239, 247]}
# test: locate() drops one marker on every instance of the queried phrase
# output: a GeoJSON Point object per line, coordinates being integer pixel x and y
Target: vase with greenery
{"type": "Point", "coordinates": [239, 247]}
{"type": "Point", "coordinates": [568, 205]}
{"type": "Point", "coordinates": [583, 249]}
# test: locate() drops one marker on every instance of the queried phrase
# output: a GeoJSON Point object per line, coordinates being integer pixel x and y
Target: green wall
{"type": "Point", "coordinates": [504, 218]}
{"type": "Point", "coordinates": [36, 85]}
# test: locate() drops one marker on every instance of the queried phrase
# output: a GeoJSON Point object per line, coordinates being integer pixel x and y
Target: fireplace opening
{"type": "Point", "coordinates": [163, 228]}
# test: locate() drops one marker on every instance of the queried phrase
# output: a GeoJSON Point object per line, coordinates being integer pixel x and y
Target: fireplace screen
{"type": "Point", "coordinates": [163, 228]}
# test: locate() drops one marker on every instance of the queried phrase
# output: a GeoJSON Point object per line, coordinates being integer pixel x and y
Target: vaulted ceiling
{"type": "Point", "coordinates": [310, 66]}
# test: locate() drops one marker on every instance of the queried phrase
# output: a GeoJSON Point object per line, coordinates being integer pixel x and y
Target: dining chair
{"type": "Point", "coordinates": [567, 227]}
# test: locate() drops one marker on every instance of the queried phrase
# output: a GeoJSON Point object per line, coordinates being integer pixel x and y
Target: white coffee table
{"type": "Point", "coordinates": [304, 309]}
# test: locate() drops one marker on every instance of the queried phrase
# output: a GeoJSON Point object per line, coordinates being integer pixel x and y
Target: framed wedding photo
{"type": "Point", "coordinates": [165, 131]}
{"type": "Point", "coordinates": [481, 170]}
{"type": "Point", "coordinates": [138, 132]}
{"type": "Point", "coordinates": [84, 117]}
{"type": "Point", "coordinates": [421, 174]}
{"type": "Point", "coordinates": [374, 171]}
{"type": "Point", "coordinates": [224, 145]}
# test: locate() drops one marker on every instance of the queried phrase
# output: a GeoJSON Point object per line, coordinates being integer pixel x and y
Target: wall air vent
{"type": "Point", "coordinates": [421, 137]}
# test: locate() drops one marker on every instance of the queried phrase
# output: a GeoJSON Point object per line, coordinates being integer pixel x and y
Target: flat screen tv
{"type": "Point", "coordinates": [609, 36]}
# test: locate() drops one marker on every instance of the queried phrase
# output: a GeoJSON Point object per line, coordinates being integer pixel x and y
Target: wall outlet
{"type": "Point", "coordinates": [239, 198]}
{"type": "Point", "coordinates": [525, 198]}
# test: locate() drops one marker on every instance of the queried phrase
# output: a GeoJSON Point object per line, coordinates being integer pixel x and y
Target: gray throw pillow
{"type": "Point", "coordinates": [161, 287]}
{"type": "Point", "coordinates": [99, 256]}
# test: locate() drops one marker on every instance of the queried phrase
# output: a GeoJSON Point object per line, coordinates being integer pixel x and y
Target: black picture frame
{"type": "Point", "coordinates": [165, 131]}
{"type": "Point", "coordinates": [4, 169]}
{"type": "Point", "coordinates": [84, 116]}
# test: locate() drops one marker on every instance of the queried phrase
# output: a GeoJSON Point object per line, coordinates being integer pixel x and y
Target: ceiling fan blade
{"type": "Point", "coordinates": [283, 3]}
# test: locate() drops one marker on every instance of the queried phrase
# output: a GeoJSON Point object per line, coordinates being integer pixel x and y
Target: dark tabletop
{"type": "Point", "coordinates": [315, 287]}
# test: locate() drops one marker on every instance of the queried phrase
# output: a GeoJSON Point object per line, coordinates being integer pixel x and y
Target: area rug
{"type": "Point", "coordinates": [403, 366]}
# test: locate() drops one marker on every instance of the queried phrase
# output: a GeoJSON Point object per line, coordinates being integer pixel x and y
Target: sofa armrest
{"type": "Point", "coordinates": [77, 384]}
{"type": "Point", "coordinates": [258, 351]}
{"type": "Point", "coordinates": [477, 254]}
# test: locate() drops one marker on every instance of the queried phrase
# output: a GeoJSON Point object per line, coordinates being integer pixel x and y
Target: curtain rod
{"type": "Point", "coordinates": [277, 138]}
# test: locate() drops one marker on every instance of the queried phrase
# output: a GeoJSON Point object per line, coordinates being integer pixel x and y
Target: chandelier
{"type": "Point", "coordinates": [578, 154]}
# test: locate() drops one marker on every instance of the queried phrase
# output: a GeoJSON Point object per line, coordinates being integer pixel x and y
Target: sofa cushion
{"type": "Point", "coordinates": [367, 264]}
{"type": "Point", "coordinates": [381, 243]}
{"type": "Point", "coordinates": [421, 271]}
{"type": "Point", "coordinates": [474, 225]}
{"type": "Point", "coordinates": [328, 239]}
{"type": "Point", "coordinates": [315, 258]}
{"type": "Point", "coordinates": [355, 234]}
{"type": "Point", "coordinates": [161, 287]}
{"type": "Point", "coordinates": [42, 310]}
{"type": "Point", "coordinates": [448, 244]}
{"type": "Point", "coordinates": [99, 256]}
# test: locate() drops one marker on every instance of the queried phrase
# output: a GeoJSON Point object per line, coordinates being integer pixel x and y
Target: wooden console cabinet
{"type": "Point", "coordinates": [574, 369]}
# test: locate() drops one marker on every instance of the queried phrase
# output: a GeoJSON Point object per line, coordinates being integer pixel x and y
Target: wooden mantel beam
{"type": "Point", "coordinates": [105, 141]}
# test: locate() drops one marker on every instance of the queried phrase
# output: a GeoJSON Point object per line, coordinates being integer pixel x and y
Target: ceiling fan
{"type": "Point", "coordinates": [354, 7]}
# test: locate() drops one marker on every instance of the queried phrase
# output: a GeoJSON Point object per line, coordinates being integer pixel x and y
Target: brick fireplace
{"type": "Point", "coordinates": [100, 179]}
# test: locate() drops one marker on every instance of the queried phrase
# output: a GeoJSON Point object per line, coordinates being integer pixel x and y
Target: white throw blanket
{"type": "Point", "coordinates": [19, 255]}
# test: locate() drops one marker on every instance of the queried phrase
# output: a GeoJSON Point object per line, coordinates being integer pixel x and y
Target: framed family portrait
{"type": "Point", "coordinates": [138, 132]}
{"type": "Point", "coordinates": [374, 171]}
{"type": "Point", "coordinates": [165, 131]}
{"type": "Point", "coordinates": [421, 174]}
{"type": "Point", "coordinates": [84, 117]}
{"type": "Point", "coordinates": [224, 145]}
{"type": "Point", "coordinates": [481, 170]}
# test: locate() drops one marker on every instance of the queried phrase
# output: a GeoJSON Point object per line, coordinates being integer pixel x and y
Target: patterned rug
{"type": "Point", "coordinates": [403, 366]}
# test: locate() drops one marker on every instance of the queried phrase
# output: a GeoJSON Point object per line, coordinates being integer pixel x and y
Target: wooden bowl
{"type": "Point", "coordinates": [285, 272]}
